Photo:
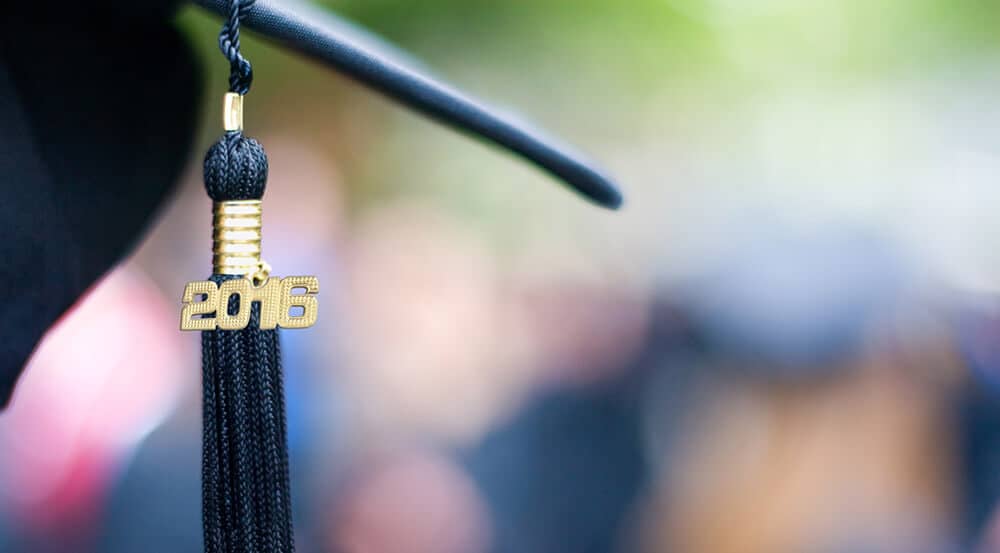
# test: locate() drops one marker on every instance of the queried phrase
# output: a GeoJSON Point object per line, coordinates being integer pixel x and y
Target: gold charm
{"type": "Point", "coordinates": [288, 302]}
{"type": "Point", "coordinates": [206, 303]}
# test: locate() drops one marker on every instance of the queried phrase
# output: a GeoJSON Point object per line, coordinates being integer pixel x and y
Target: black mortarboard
{"type": "Point", "coordinates": [84, 176]}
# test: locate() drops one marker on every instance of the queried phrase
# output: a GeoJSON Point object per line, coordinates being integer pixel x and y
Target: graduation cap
{"type": "Point", "coordinates": [86, 164]}
{"type": "Point", "coordinates": [98, 105]}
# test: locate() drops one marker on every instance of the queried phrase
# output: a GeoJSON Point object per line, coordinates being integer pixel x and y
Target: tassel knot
{"type": "Point", "coordinates": [235, 168]}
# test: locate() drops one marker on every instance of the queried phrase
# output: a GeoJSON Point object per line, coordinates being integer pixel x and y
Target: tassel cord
{"type": "Point", "coordinates": [246, 498]}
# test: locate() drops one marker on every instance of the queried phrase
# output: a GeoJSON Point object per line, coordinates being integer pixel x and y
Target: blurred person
{"type": "Point", "coordinates": [743, 425]}
{"type": "Point", "coordinates": [565, 473]}
{"type": "Point", "coordinates": [823, 421]}
{"type": "Point", "coordinates": [473, 341]}
{"type": "Point", "coordinates": [860, 462]}
{"type": "Point", "coordinates": [87, 400]}
{"type": "Point", "coordinates": [568, 470]}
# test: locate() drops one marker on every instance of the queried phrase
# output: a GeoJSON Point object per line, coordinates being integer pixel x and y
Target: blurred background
{"type": "Point", "coordinates": [787, 341]}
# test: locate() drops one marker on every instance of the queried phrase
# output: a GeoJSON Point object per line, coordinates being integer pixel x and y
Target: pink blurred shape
{"type": "Point", "coordinates": [411, 502]}
{"type": "Point", "coordinates": [101, 380]}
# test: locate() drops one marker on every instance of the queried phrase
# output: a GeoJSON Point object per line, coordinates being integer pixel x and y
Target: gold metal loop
{"type": "Point", "coordinates": [262, 273]}
{"type": "Point", "coordinates": [232, 112]}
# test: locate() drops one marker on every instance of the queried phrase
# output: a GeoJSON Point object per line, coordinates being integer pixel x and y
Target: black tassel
{"type": "Point", "coordinates": [246, 497]}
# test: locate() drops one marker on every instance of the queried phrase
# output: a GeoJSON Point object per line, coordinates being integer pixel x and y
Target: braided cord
{"type": "Point", "coordinates": [246, 493]}
{"type": "Point", "coordinates": [246, 500]}
{"type": "Point", "coordinates": [240, 71]}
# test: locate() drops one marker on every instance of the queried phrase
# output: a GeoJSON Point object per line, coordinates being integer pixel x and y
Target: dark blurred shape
{"type": "Point", "coordinates": [165, 480]}
{"type": "Point", "coordinates": [97, 113]}
{"type": "Point", "coordinates": [980, 441]}
{"type": "Point", "coordinates": [566, 473]}
{"type": "Point", "coordinates": [978, 332]}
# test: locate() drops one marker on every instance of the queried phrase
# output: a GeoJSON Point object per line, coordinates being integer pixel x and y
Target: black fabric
{"type": "Point", "coordinates": [322, 36]}
{"type": "Point", "coordinates": [84, 162]}
{"type": "Point", "coordinates": [246, 498]}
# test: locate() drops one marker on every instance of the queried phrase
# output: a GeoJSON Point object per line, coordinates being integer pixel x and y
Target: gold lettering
{"type": "Point", "coordinates": [269, 296]}
{"type": "Point", "coordinates": [274, 296]}
{"type": "Point", "coordinates": [308, 303]}
{"type": "Point", "coordinates": [204, 307]}
{"type": "Point", "coordinates": [240, 287]}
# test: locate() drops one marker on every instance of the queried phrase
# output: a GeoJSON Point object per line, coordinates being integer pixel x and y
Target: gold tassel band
{"type": "Point", "coordinates": [236, 232]}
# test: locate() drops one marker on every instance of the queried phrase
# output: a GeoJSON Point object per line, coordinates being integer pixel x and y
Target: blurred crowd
{"type": "Point", "coordinates": [787, 342]}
